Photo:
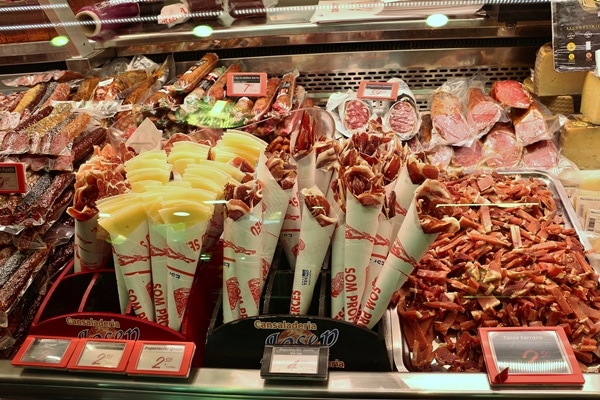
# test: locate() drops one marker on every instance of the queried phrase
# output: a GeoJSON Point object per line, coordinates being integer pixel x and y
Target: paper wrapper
{"type": "Point", "coordinates": [404, 190]}
{"type": "Point", "coordinates": [290, 229]}
{"type": "Point", "coordinates": [242, 250]}
{"type": "Point", "coordinates": [409, 246]}
{"type": "Point", "coordinates": [338, 242]}
{"type": "Point", "coordinates": [158, 261]}
{"type": "Point", "coordinates": [381, 247]}
{"type": "Point", "coordinates": [361, 228]}
{"type": "Point", "coordinates": [132, 259]}
{"type": "Point", "coordinates": [275, 201]}
{"type": "Point", "coordinates": [306, 170]}
{"type": "Point", "coordinates": [91, 248]}
{"type": "Point", "coordinates": [315, 240]}
{"type": "Point", "coordinates": [184, 247]}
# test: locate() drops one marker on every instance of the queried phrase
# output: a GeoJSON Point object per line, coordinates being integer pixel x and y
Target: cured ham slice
{"type": "Point", "coordinates": [448, 119]}
{"type": "Point", "coordinates": [511, 93]}
{"type": "Point", "coordinates": [500, 147]}
{"type": "Point", "coordinates": [468, 156]}
{"type": "Point", "coordinates": [530, 125]}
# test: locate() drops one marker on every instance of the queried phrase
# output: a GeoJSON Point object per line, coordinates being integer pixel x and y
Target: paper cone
{"type": "Point", "coordinates": [132, 258]}
{"type": "Point", "coordinates": [91, 248]}
{"type": "Point", "coordinates": [338, 242]}
{"type": "Point", "coordinates": [315, 240]}
{"type": "Point", "coordinates": [404, 190]}
{"type": "Point", "coordinates": [214, 229]}
{"type": "Point", "coordinates": [158, 261]}
{"type": "Point", "coordinates": [361, 228]}
{"type": "Point", "coordinates": [416, 235]}
{"type": "Point", "coordinates": [290, 229]}
{"type": "Point", "coordinates": [275, 201]}
{"type": "Point", "coordinates": [306, 170]}
{"type": "Point", "coordinates": [231, 286]}
{"type": "Point", "coordinates": [381, 247]}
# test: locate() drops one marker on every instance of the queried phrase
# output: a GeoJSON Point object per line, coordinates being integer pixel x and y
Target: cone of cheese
{"type": "Point", "coordinates": [124, 218]}
{"type": "Point", "coordinates": [427, 217]}
{"type": "Point", "coordinates": [242, 265]}
{"type": "Point", "coordinates": [186, 212]}
{"type": "Point", "coordinates": [364, 201]}
{"type": "Point", "coordinates": [316, 230]}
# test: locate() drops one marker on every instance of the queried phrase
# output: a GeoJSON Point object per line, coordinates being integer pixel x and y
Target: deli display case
{"type": "Point", "coordinates": [153, 282]}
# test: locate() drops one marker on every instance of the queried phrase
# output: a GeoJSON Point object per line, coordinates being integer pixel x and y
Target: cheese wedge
{"type": "Point", "coordinates": [590, 98]}
{"type": "Point", "coordinates": [227, 168]}
{"type": "Point", "coordinates": [122, 222]}
{"type": "Point", "coordinates": [580, 141]}
{"type": "Point", "coordinates": [548, 82]}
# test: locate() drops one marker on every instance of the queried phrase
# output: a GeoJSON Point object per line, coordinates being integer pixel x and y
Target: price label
{"type": "Point", "coordinates": [45, 352]}
{"type": "Point", "coordinates": [101, 355]}
{"type": "Point", "coordinates": [378, 90]}
{"type": "Point", "coordinates": [295, 362]}
{"type": "Point", "coordinates": [529, 355]}
{"type": "Point", "coordinates": [248, 84]}
{"type": "Point", "coordinates": [12, 178]}
{"type": "Point", "coordinates": [161, 358]}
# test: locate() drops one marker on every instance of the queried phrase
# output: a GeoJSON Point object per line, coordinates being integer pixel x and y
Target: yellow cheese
{"type": "Point", "coordinates": [548, 82]}
{"type": "Point", "coordinates": [580, 141]}
{"type": "Point", "coordinates": [590, 98]}
{"type": "Point", "coordinates": [224, 166]}
{"type": "Point", "coordinates": [122, 222]}
{"type": "Point", "coordinates": [564, 105]}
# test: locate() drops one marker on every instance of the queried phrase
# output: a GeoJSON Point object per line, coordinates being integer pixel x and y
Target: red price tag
{"type": "Point", "coordinates": [248, 84]}
{"type": "Point", "coordinates": [12, 178]}
{"type": "Point", "coordinates": [378, 90]}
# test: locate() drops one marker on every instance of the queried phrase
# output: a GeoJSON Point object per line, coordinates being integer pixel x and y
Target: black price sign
{"type": "Point", "coordinates": [529, 355]}
{"type": "Point", "coordinates": [295, 362]}
{"type": "Point", "coordinates": [45, 352]}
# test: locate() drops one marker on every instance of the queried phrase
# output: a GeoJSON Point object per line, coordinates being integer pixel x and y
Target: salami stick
{"type": "Point", "coordinates": [190, 78]}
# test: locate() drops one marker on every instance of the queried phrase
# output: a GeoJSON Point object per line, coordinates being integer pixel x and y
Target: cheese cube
{"type": "Point", "coordinates": [590, 98]}
{"type": "Point", "coordinates": [580, 141]}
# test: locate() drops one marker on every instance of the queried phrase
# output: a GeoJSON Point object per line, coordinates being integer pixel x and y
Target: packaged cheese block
{"type": "Point", "coordinates": [548, 82]}
{"type": "Point", "coordinates": [580, 141]}
{"type": "Point", "coordinates": [590, 98]}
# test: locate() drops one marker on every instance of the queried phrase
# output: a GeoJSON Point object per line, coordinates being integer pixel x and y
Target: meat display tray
{"type": "Point", "coordinates": [400, 349]}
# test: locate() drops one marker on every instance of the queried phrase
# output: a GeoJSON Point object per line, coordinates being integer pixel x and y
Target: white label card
{"type": "Point", "coordinates": [101, 355]}
{"type": "Point", "coordinates": [163, 357]}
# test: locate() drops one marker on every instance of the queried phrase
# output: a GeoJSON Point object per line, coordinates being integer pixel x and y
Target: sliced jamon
{"type": "Point", "coordinates": [542, 154]}
{"type": "Point", "coordinates": [448, 119]}
{"type": "Point", "coordinates": [441, 156]}
{"type": "Point", "coordinates": [500, 147]}
{"type": "Point", "coordinates": [511, 93]}
{"type": "Point", "coordinates": [482, 111]}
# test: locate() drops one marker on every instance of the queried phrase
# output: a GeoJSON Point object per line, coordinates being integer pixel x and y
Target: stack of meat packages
{"type": "Point", "coordinates": [506, 127]}
{"type": "Point", "coordinates": [42, 132]}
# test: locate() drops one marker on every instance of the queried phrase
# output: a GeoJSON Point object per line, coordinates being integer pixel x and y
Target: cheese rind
{"type": "Point", "coordinates": [548, 82]}
{"type": "Point", "coordinates": [590, 98]}
{"type": "Point", "coordinates": [580, 141]}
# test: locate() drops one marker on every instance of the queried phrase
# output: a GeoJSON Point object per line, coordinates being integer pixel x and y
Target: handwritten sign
{"type": "Point", "coordinates": [248, 84]}
{"type": "Point", "coordinates": [295, 362]}
{"type": "Point", "coordinates": [378, 90]}
{"type": "Point", "coordinates": [529, 356]}
{"type": "Point", "coordinates": [162, 358]}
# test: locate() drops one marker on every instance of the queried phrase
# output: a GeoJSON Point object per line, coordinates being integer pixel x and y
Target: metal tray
{"type": "Point", "coordinates": [400, 349]}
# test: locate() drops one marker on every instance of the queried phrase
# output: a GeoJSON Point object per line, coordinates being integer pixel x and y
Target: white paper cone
{"type": "Point", "coordinates": [231, 286]}
{"type": "Point", "coordinates": [381, 247]}
{"type": "Point", "coordinates": [338, 242]}
{"type": "Point", "coordinates": [214, 229]}
{"type": "Point", "coordinates": [275, 201]}
{"type": "Point", "coordinates": [408, 248]}
{"type": "Point", "coordinates": [158, 261]}
{"type": "Point", "coordinates": [91, 248]}
{"type": "Point", "coordinates": [316, 240]}
{"type": "Point", "coordinates": [361, 228]}
{"type": "Point", "coordinates": [404, 190]}
{"type": "Point", "coordinates": [290, 229]}
{"type": "Point", "coordinates": [323, 179]}
{"type": "Point", "coordinates": [306, 167]}
{"type": "Point", "coordinates": [184, 252]}
{"type": "Point", "coordinates": [132, 258]}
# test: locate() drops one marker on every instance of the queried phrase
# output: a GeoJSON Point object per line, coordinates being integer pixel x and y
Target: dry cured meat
{"type": "Point", "coordinates": [483, 112]}
{"type": "Point", "coordinates": [262, 104]}
{"type": "Point", "coordinates": [356, 115]}
{"type": "Point", "coordinates": [217, 90]}
{"type": "Point", "coordinates": [241, 198]}
{"type": "Point", "coordinates": [511, 94]}
{"type": "Point", "coordinates": [190, 78]}
{"type": "Point", "coordinates": [500, 147]}
{"type": "Point", "coordinates": [515, 266]}
{"type": "Point", "coordinates": [468, 157]}
{"type": "Point", "coordinates": [540, 155]}
{"type": "Point", "coordinates": [530, 125]}
{"type": "Point", "coordinates": [448, 119]}
{"type": "Point", "coordinates": [283, 101]}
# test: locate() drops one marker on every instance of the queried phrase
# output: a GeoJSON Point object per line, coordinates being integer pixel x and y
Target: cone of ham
{"type": "Point", "coordinates": [364, 201]}
{"type": "Point", "coordinates": [279, 179]}
{"type": "Point", "coordinates": [242, 265]}
{"type": "Point", "coordinates": [427, 217]}
{"type": "Point", "coordinates": [337, 199]}
{"type": "Point", "coordinates": [318, 223]}
{"type": "Point", "coordinates": [124, 218]}
{"type": "Point", "coordinates": [303, 151]}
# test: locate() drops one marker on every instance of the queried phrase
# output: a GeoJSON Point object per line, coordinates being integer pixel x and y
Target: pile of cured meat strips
{"type": "Point", "coordinates": [506, 266]}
